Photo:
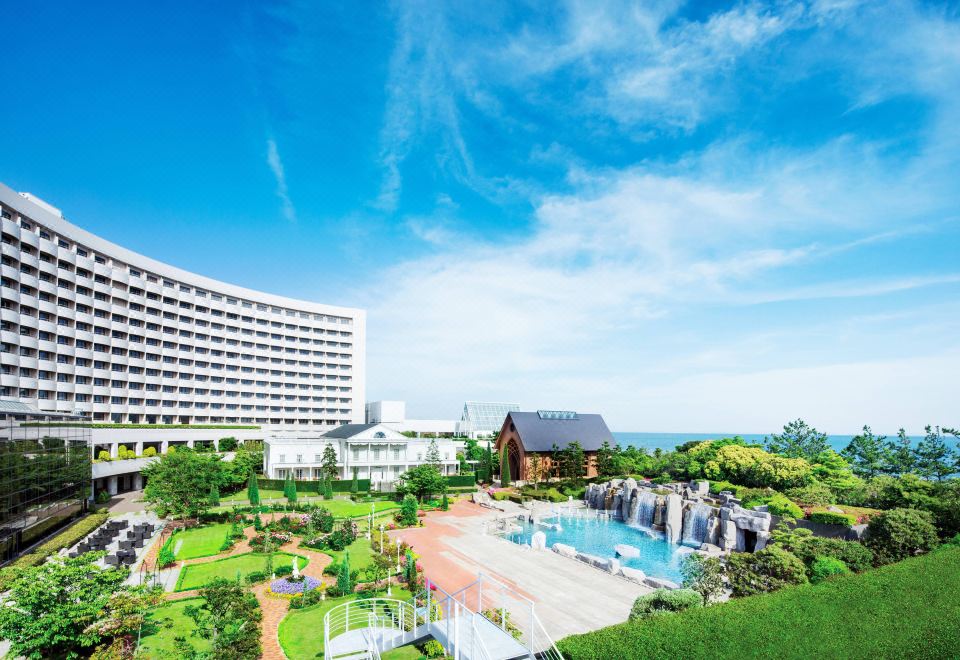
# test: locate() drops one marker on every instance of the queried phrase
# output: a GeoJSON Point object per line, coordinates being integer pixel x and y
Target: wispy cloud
{"type": "Point", "coordinates": [276, 166]}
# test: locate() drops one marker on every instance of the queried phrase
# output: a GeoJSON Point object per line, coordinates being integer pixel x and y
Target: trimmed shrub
{"type": "Point", "coordinates": [661, 601]}
{"type": "Point", "coordinates": [767, 570]}
{"type": "Point", "coordinates": [256, 576]}
{"type": "Point", "coordinates": [283, 569]}
{"type": "Point", "coordinates": [832, 518]}
{"type": "Point", "coordinates": [901, 533]}
{"type": "Point", "coordinates": [853, 554]}
{"type": "Point", "coordinates": [825, 567]}
{"type": "Point", "coordinates": [815, 494]}
{"type": "Point", "coordinates": [103, 456]}
{"type": "Point", "coordinates": [408, 510]}
{"type": "Point", "coordinates": [549, 494]}
{"type": "Point", "coordinates": [779, 505]}
{"type": "Point", "coordinates": [149, 452]}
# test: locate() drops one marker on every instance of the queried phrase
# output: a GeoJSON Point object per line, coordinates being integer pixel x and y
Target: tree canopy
{"type": "Point", "coordinates": [422, 481]}
{"type": "Point", "coordinates": [179, 483]}
{"type": "Point", "coordinates": [798, 441]}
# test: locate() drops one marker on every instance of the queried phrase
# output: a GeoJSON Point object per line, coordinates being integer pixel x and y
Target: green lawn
{"type": "Point", "coordinates": [905, 610]}
{"type": "Point", "coordinates": [408, 652]}
{"type": "Point", "coordinates": [194, 576]}
{"type": "Point", "coordinates": [301, 631]}
{"type": "Point", "coordinates": [361, 554]}
{"type": "Point", "coordinates": [200, 541]}
{"type": "Point", "coordinates": [158, 633]}
{"type": "Point", "coordinates": [340, 508]}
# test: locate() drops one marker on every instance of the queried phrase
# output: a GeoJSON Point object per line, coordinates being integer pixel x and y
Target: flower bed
{"type": "Point", "coordinates": [290, 587]}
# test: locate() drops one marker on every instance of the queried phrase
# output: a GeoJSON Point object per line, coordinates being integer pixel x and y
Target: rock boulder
{"type": "Point", "coordinates": [565, 550]}
{"type": "Point", "coordinates": [627, 551]}
{"type": "Point", "coordinates": [660, 583]}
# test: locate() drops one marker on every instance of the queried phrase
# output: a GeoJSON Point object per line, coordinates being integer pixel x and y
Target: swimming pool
{"type": "Point", "coordinates": [598, 536]}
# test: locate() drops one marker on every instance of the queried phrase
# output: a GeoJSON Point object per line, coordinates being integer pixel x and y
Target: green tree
{"type": "Point", "coordinates": [290, 488]}
{"type": "Point", "coordinates": [179, 483]}
{"type": "Point", "coordinates": [900, 459]}
{"type": "Point", "coordinates": [900, 533]}
{"type": "Point", "coordinates": [408, 510]}
{"type": "Point", "coordinates": [505, 469]}
{"type": "Point", "coordinates": [423, 481]}
{"type": "Point", "coordinates": [605, 463]}
{"type": "Point", "coordinates": [214, 496]}
{"type": "Point", "coordinates": [868, 453]}
{"type": "Point", "coordinates": [798, 441]}
{"type": "Point", "coordinates": [536, 468]}
{"type": "Point", "coordinates": [933, 458]}
{"type": "Point", "coordinates": [704, 575]}
{"type": "Point", "coordinates": [433, 453]}
{"type": "Point", "coordinates": [229, 617]}
{"type": "Point", "coordinates": [444, 503]}
{"type": "Point", "coordinates": [253, 489]}
{"type": "Point", "coordinates": [344, 579]}
{"type": "Point", "coordinates": [52, 610]}
{"type": "Point", "coordinates": [329, 462]}
{"type": "Point", "coordinates": [328, 489]}
{"type": "Point", "coordinates": [355, 483]}
{"type": "Point", "coordinates": [574, 458]}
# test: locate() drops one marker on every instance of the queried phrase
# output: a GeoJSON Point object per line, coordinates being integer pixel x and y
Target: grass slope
{"type": "Point", "coordinates": [200, 541]}
{"type": "Point", "coordinates": [909, 609]}
{"type": "Point", "coordinates": [361, 554]}
{"type": "Point", "coordinates": [301, 631]}
{"type": "Point", "coordinates": [194, 576]}
{"type": "Point", "coordinates": [166, 622]}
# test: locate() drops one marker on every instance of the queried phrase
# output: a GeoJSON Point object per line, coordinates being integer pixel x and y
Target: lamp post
{"type": "Point", "coordinates": [381, 538]}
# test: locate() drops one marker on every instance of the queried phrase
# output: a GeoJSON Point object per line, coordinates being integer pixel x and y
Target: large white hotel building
{"type": "Point", "coordinates": [87, 325]}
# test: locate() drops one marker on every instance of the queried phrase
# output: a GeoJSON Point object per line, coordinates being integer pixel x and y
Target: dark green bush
{"type": "Point", "coordinates": [815, 494]}
{"type": "Point", "coordinates": [832, 518]}
{"type": "Point", "coordinates": [256, 576]}
{"type": "Point", "coordinates": [825, 567]}
{"type": "Point", "coordinates": [901, 533]}
{"type": "Point", "coordinates": [767, 570]}
{"type": "Point", "coordinates": [283, 569]}
{"type": "Point", "coordinates": [661, 601]}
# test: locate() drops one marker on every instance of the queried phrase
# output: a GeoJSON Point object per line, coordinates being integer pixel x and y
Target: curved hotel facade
{"type": "Point", "coordinates": [89, 326]}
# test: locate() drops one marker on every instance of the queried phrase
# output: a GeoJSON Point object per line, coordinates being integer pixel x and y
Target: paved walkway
{"type": "Point", "coordinates": [129, 502]}
{"type": "Point", "coordinates": [570, 596]}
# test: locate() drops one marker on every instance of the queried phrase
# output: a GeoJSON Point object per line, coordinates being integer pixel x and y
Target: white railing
{"type": "Point", "coordinates": [384, 623]}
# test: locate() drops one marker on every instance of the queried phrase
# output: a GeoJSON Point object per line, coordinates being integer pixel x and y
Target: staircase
{"type": "Point", "coordinates": [485, 620]}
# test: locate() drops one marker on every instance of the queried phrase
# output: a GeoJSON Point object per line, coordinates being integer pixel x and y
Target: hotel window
{"type": "Point", "coordinates": [283, 458]}
{"type": "Point", "coordinates": [299, 458]}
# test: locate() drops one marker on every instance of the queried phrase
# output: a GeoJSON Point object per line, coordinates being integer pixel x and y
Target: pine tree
{"type": "Point", "coordinates": [329, 462]}
{"type": "Point", "coordinates": [444, 503]}
{"type": "Point", "coordinates": [408, 510]}
{"type": "Point", "coordinates": [505, 469]}
{"type": "Point", "coordinates": [290, 489]}
{"type": "Point", "coordinates": [488, 464]}
{"type": "Point", "coordinates": [900, 459]}
{"type": "Point", "coordinates": [355, 484]}
{"type": "Point", "coordinates": [253, 489]}
{"type": "Point", "coordinates": [433, 453]}
{"type": "Point", "coordinates": [344, 582]}
{"type": "Point", "coordinates": [328, 489]}
{"type": "Point", "coordinates": [933, 456]}
{"type": "Point", "coordinates": [867, 453]}
{"type": "Point", "coordinates": [214, 496]}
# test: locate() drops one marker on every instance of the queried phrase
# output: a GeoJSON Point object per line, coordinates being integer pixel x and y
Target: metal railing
{"type": "Point", "coordinates": [385, 623]}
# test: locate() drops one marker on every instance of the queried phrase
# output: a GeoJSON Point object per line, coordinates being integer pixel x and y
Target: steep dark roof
{"type": "Point", "coordinates": [538, 434]}
{"type": "Point", "coordinates": [348, 431]}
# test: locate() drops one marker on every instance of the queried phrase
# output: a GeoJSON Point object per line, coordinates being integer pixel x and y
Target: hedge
{"type": "Point", "coordinates": [905, 610]}
{"type": "Point", "coordinates": [339, 485]}
{"type": "Point", "coordinates": [65, 539]}
{"type": "Point", "coordinates": [455, 480]}
{"type": "Point", "coordinates": [831, 518]}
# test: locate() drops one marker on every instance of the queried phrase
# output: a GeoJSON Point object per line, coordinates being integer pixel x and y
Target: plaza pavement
{"type": "Point", "coordinates": [570, 597]}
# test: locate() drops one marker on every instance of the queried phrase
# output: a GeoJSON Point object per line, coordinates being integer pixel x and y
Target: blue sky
{"type": "Point", "coordinates": [711, 216]}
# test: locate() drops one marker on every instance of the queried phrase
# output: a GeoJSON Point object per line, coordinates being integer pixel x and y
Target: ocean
{"type": "Point", "coordinates": [669, 441]}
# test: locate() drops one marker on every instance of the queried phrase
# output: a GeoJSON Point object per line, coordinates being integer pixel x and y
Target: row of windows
{"type": "Point", "coordinates": [82, 251]}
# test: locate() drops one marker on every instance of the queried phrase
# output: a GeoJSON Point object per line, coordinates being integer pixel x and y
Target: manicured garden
{"type": "Point", "coordinates": [907, 609]}
{"type": "Point", "coordinates": [202, 541]}
{"type": "Point", "coordinates": [194, 576]}
{"type": "Point", "coordinates": [301, 631]}
{"type": "Point", "coordinates": [166, 622]}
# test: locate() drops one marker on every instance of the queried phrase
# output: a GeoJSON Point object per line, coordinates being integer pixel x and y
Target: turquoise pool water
{"type": "Point", "coordinates": [598, 536]}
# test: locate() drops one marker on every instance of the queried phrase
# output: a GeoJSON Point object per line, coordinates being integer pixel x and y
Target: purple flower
{"type": "Point", "coordinates": [285, 586]}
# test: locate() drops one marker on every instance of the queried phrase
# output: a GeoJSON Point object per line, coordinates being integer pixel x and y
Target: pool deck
{"type": "Point", "coordinates": [570, 596]}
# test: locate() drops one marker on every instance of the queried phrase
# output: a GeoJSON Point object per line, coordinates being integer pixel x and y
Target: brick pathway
{"type": "Point", "coordinates": [273, 609]}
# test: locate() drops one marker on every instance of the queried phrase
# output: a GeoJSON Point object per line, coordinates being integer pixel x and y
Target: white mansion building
{"type": "Point", "coordinates": [377, 452]}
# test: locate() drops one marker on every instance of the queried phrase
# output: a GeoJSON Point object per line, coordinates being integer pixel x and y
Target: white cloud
{"type": "Point", "coordinates": [276, 166]}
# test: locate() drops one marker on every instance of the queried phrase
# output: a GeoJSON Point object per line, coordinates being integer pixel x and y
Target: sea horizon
{"type": "Point", "coordinates": [668, 441]}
